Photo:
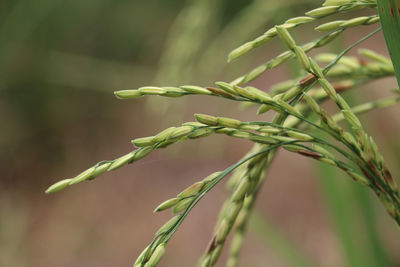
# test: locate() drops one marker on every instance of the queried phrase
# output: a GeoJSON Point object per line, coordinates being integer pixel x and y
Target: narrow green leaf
{"type": "Point", "coordinates": [389, 13]}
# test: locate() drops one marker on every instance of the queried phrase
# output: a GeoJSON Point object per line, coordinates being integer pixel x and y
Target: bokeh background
{"type": "Point", "coordinates": [60, 62]}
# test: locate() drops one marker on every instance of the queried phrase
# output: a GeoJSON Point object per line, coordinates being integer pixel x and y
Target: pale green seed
{"type": "Point", "coordinates": [223, 231]}
{"type": "Point", "coordinates": [216, 253]}
{"type": "Point", "coordinates": [260, 40]}
{"type": "Point", "coordinates": [225, 131]}
{"type": "Point", "coordinates": [263, 139]}
{"type": "Point", "coordinates": [191, 190]}
{"type": "Point", "coordinates": [312, 103]}
{"type": "Point", "coordinates": [58, 186]}
{"type": "Point", "coordinates": [233, 211]}
{"type": "Point", "coordinates": [241, 190]}
{"type": "Point", "coordinates": [290, 108]}
{"type": "Point", "coordinates": [205, 262]}
{"type": "Point", "coordinates": [211, 177]}
{"type": "Point", "coordinates": [118, 163]}
{"type": "Point", "coordinates": [196, 90]}
{"type": "Point", "coordinates": [228, 122]}
{"type": "Point", "coordinates": [202, 132]}
{"type": "Point", "coordinates": [263, 108]}
{"type": "Point", "coordinates": [355, 22]}
{"type": "Point", "coordinates": [144, 141]}
{"type": "Point", "coordinates": [174, 92]}
{"type": "Point", "coordinates": [330, 26]}
{"type": "Point", "coordinates": [316, 69]}
{"type": "Point", "coordinates": [298, 20]}
{"type": "Point", "coordinates": [282, 138]}
{"type": "Point", "coordinates": [226, 87]}
{"type": "Point", "coordinates": [372, 20]}
{"type": "Point", "coordinates": [328, 88]}
{"type": "Point", "coordinates": [244, 92]}
{"type": "Point", "coordinates": [167, 226]}
{"type": "Point", "coordinates": [100, 169]}
{"type": "Point", "coordinates": [182, 204]}
{"type": "Point", "coordinates": [342, 103]}
{"type": "Point", "coordinates": [322, 11]}
{"type": "Point", "coordinates": [281, 59]}
{"type": "Point", "coordinates": [351, 118]}
{"type": "Point", "coordinates": [322, 150]}
{"type": "Point", "coordinates": [181, 132]}
{"type": "Point", "coordinates": [206, 119]}
{"type": "Point", "coordinates": [236, 243]}
{"type": "Point", "coordinates": [151, 90]}
{"type": "Point", "coordinates": [140, 259]}
{"type": "Point", "coordinates": [241, 218]}
{"type": "Point", "coordinates": [142, 152]}
{"type": "Point", "coordinates": [269, 129]}
{"type": "Point", "coordinates": [240, 134]}
{"type": "Point", "coordinates": [260, 95]}
{"type": "Point", "coordinates": [292, 148]}
{"type": "Point", "coordinates": [238, 81]}
{"type": "Point", "coordinates": [337, 2]}
{"type": "Point", "coordinates": [85, 175]}
{"type": "Point", "coordinates": [194, 124]}
{"type": "Point", "coordinates": [329, 161]}
{"type": "Point", "coordinates": [124, 94]}
{"type": "Point", "coordinates": [241, 50]}
{"type": "Point", "coordinates": [255, 73]}
{"type": "Point", "coordinates": [156, 256]}
{"type": "Point", "coordinates": [271, 32]}
{"type": "Point", "coordinates": [164, 135]}
{"type": "Point", "coordinates": [250, 127]}
{"type": "Point", "coordinates": [359, 178]}
{"type": "Point", "coordinates": [300, 136]}
{"type": "Point", "coordinates": [285, 36]}
{"type": "Point", "coordinates": [294, 91]}
{"type": "Point", "coordinates": [302, 57]}
{"type": "Point", "coordinates": [167, 204]}
{"type": "Point", "coordinates": [331, 123]}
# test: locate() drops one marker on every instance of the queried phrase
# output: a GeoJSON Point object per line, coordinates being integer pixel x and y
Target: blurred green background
{"type": "Point", "coordinates": [60, 62]}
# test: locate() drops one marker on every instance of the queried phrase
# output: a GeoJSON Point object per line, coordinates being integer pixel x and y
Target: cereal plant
{"type": "Point", "coordinates": [301, 125]}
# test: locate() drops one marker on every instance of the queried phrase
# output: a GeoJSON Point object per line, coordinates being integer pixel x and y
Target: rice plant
{"type": "Point", "coordinates": [301, 125]}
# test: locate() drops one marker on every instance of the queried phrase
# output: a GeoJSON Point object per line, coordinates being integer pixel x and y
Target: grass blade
{"type": "Point", "coordinates": [389, 13]}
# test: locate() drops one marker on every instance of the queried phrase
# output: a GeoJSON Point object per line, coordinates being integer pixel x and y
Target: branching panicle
{"type": "Point", "coordinates": [293, 128]}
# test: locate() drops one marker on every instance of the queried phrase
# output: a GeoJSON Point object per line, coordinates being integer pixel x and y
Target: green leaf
{"type": "Point", "coordinates": [389, 13]}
